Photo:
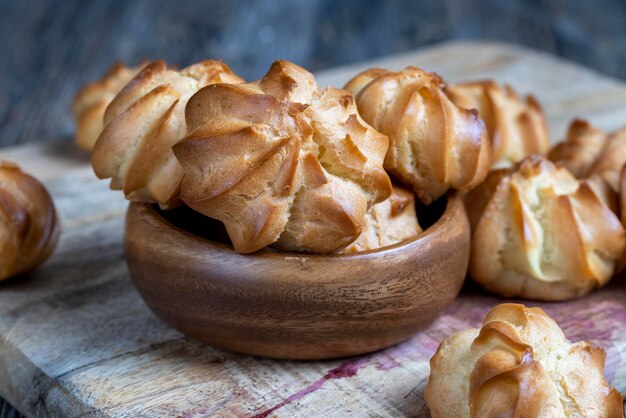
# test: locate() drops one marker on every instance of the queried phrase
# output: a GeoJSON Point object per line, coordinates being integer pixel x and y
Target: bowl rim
{"type": "Point", "coordinates": [454, 204]}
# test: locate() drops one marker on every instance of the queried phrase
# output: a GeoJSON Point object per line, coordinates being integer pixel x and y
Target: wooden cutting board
{"type": "Point", "coordinates": [76, 339]}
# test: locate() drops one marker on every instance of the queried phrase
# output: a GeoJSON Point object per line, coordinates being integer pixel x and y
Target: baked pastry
{"type": "Point", "coordinates": [143, 122]}
{"type": "Point", "coordinates": [588, 150]}
{"type": "Point", "coordinates": [389, 222]}
{"type": "Point", "coordinates": [519, 364]}
{"type": "Point", "coordinates": [29, 224]}
{"type": "Point", "coordinates": [622, 196]}
{"type": "Point", "coordinates": [604, 191]}
{"type": "Point", "coordinates": [477, 199]}
{"type": "Point", "coordinates": [516, 126]}
{"type": "Point", "coordinates": [281, 162]}
{"type": "Point", "coordinates": [609, 164]}
{"type": "Point", "coordinates": [545, 235]}
{"type": "Point", "coordinates": [434, 144]}
{"type": "Point", "coordinates": [581, 148]}
{"type": "Point", "coordinates": [92, 100]}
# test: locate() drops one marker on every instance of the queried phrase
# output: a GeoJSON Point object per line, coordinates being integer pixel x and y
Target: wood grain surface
{"type": "Point", "coordinates": [290, 305]}
{"type": "Point", "coordinates": [77, 340]}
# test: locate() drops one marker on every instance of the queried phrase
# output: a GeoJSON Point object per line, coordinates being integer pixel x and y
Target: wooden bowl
{"type": "Point", "coordinates": [291, 305]}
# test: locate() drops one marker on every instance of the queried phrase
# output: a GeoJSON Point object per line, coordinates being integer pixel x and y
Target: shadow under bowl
{"type": "Point", "coordinates": [293, 305]}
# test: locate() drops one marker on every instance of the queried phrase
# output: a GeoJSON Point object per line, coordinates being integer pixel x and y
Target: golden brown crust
{"type": "Point", "coordinates": [476, 200]}
{"type": "Point", "coordinates": [545, 235]}
{"type": "Point", "coordinates": [281, 162]}
{"type": "Point", "coordinates": [434, 144]}
{"type": "Point", "coordinates": [621, 211]}
{"type": "Point", "coordinates": [92, 100]}
{"type": "Point", "coordinates": [588, 151]}
{"type": "Point", "coordinates": [609, 164]}
{"type": "Point", "coordinates": [516, 126]}
{"type": "Point", "coordinates": [622, 196]}
{"type": "Point", "coordinates": [29, 224]}
{"type": "Point", "coordinates": [143, 122]}
{"type": "Point", "coordinates": [389, 222]}
{"type": "Point", "coordinates": [519, 364]}
{"type": "Point", "coordinates": [600, 158]}
{"type": "Point", "coordinates": [581, 148]}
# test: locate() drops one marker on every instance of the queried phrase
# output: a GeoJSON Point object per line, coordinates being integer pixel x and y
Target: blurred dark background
{"type": "Point", "coordinates": [49, 48]}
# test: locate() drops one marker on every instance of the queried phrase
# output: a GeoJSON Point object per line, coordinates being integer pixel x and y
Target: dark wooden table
{"type": "Point", "coordinates": [49, 48]}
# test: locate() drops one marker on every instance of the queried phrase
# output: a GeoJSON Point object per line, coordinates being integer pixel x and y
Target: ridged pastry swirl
{"type": "Point", "coordinates": [434, 144]}
{"type": "Point", "coordinates": [387, 223]}
{"type": "Point", "coordinates": [281, 162]}
{"type": "Point", "coordinates": [519, 364]}
{"type": "Point", "coordinates": [545, 235]}
{"type": "Point", "coordinates": [613, 158]}
{"type": "Point", "coordinates": [29, 224]}
{"type": "Point", "coordinates": [516, 126]}
{"type": "Point", "coordinates": [92, 100]}
{"type": "Point", "coordinates": [143, 122]}
{"type": "Point", "coordinates": [581, 148]}
{"type": "Point", "coordinates": [588, 151]}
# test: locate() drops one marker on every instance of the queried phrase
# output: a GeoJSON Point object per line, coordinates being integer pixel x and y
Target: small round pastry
{"type": "Point", "coordinates": [434, 144]}
{"type": "Point", "coordinates": [588, 151]}
{"type": "Point", "coordinates": [516, 126]}
{"type": "Point", "coordinates": [609, 164]}
{"type": "Point", "coordinates": [581, 148]}
{"type": "Point", "coordinates": [545, 235]}
{"type": "Point", "coordinates": [29, 224]}
{"type": "Point", "coordinates": [389, 222]}
{"type": "Point", "coordinates": [519, 364]}
{"type": "Point", "coordinates": [92, 100]}
{"type": "Point", "coordinates": [281, 162]}
{"type": "Point", "coordinates": [143, 122]}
